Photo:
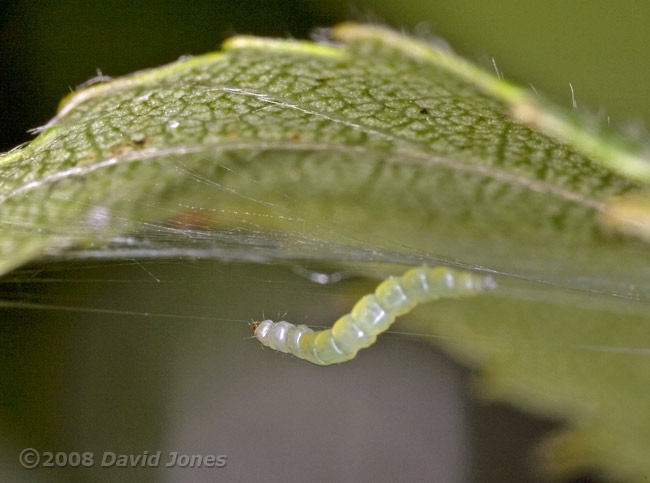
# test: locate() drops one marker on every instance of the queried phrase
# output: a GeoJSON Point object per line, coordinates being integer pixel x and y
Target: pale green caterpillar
{"type": "Point", "coordinates": [370, 316]}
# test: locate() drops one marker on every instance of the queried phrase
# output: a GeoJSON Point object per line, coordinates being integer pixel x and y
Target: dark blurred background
{"type": "Point", "coordinates": [48, 48]}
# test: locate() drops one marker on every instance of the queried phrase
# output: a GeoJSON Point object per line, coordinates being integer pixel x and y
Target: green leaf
{"type": "Point", "coordinates": [380, 148]}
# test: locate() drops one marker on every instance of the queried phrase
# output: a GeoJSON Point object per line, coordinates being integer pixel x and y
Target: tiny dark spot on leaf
{"type": "Point", "coordinates": [424, 111]}
{"type": "Point", "coordinates": [87, 158]}
{"type": "Point", "coordinates": [119, 150]}
{"type": "Point", "coordinates": [138, 140]}
{"type": "Point", "coordinates": [191, 220]}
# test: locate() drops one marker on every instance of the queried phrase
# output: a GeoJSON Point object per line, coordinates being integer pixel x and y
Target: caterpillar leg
{"type": "Point", "coordinates": [371, 315]}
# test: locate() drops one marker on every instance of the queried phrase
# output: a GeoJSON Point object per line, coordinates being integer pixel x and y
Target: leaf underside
{"type": "Point", "coordinates": [376, 148]}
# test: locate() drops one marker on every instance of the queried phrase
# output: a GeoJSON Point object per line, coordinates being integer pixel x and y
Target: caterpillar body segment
{"type": "Point", "coordinates": [371, 315]}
